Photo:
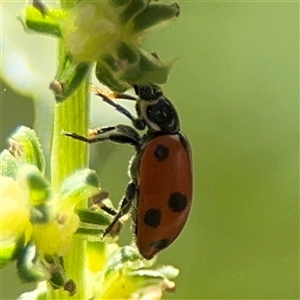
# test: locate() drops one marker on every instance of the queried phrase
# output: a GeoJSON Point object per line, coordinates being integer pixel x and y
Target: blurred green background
{"type": "Point", "coordinates": [236, 87]}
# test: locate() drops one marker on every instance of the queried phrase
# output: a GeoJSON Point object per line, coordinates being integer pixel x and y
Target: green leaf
{"type": "Point", "coordinates": [10, 251]}
{"type": "Point", "coordinates": [155, 15]}
{"type": "Point", "coordinates": [144, 68]}
{"type": "Point", "coordinates": [29, 266]}
{"type": "Point", "coordinates": [94, 233]}
{"type": "Point", "coordinates": [25, 146]}
{"type": "Point", "coordinates": [39, 193]}
{"type": "Point", "coordinates": [38, 186]}
{"type": "Point", "coordinates": [34, 20]}
{"type": "Point", "coordinates": [134, 8]}
{"type": "Point", "coordinates": [41, 214]}
{"type": "Point", "coordinates": [165, 272]}
{"type": "Point", "coordinates": [68, 78]}
{"type": "Point", "coordinates": [105, 76]}
{"type": "Point", "coordinates": [127, 52]}
{"type": "Point", "coordinates": [109, 59]}
{"type": "Point", "coordinates": [126, 257]}
{"type": "Point", "coordinates": [149, 69]}
{"type": "Point", "coordinates": [8, 164]}
{"type": "Point", "coordinates": [79, 186]}
{"type": "Point", "coordinates": [169, 271]}
{"type": "Point", "coordinates": [118, 3]}
{"type": "Point", "coordinates": [58, 276]}
{"type": "Point", "coordinates": [93, 217]}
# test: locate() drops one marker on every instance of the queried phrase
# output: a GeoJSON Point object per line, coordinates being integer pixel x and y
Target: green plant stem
{"type": "Point", "coordinates": [67, 156]}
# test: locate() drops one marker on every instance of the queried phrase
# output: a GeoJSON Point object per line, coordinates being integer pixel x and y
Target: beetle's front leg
{"type": "Point", "coordinates": [122, 134]}
{"type": "Point", "coordinates": [138, 123]}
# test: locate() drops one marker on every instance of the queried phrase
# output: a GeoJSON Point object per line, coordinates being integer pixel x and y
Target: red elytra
{"type": "Point", "coordinates": [159, 194]}
{"type": "Point", "coordinates": [165, 193]}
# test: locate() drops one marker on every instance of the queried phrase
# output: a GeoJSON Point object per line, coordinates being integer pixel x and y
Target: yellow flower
{"type": "Point", "coordinates": [56, 236]}
{"type": "Point", "coordinates": [100, 24]}
{"type": "Point", "coordinates": [15, 219]}
{"type": "Point", "coordinates": [15, 211]}
{"type": "Point", "coordinates": [127, 276]}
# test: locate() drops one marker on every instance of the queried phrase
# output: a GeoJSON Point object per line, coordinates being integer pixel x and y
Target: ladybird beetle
{"type": "Point", "coordinates": [159, 194]}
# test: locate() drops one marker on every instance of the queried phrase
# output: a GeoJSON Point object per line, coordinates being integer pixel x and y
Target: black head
{"type": "Point", "coordinates": [156, 110]}
{"type": "Point", "coordinates": [148, 92]}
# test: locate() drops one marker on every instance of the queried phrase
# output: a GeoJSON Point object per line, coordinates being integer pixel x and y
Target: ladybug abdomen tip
{"type": "Point", "coordinates": [153, 248]}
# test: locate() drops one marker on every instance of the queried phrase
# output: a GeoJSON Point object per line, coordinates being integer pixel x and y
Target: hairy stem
{"type": "Point", "coordinates": [68, 156]}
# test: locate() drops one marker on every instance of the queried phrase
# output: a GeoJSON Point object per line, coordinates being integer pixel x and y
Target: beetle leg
{"type": "Point", "coordinates": [137, 122]}
{"type": "Point", "coordinates": [111, 94]}
{"type": "Point", "coordinates": [116, 225]}
{"type": "Point", "coordinates": [98, 203]}
{"type": "Point", "coordinates": [121, 134]}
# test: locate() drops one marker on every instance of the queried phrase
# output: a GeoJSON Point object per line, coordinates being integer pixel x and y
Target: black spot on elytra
{"type": "Point", "coordinates": [152, 217]}
{"type": "Point", "coordinates": [177, 202]}
{"type": "Point", "coordinates": [161, 244]}
{"type": "Point", "coordinates": [161, 152]}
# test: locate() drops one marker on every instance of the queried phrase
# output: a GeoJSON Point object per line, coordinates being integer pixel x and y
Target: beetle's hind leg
{"type": "Point", "coordinates": [116, 225]}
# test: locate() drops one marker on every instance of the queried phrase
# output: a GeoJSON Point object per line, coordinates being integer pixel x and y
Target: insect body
{"type": "Point", "coordinates": [159, 194]}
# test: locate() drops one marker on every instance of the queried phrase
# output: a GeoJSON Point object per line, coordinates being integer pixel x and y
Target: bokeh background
{"type": "Point", "coordinates": [236, 87]}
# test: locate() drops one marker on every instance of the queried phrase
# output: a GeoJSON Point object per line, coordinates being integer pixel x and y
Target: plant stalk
{"type": "Point", "coordinates": [67, 156]}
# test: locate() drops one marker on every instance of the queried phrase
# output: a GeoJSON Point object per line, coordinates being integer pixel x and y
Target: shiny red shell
{"type": "Point", "coordinates": [164, 192]}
